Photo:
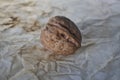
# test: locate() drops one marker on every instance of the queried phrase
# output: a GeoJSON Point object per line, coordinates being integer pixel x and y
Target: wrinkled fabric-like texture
{"type": "Point", "coordinates": [23, 58]}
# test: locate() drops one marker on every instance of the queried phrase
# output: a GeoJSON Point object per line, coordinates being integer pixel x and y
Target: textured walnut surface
{"type": "Point", "coordinates": [61, 36]}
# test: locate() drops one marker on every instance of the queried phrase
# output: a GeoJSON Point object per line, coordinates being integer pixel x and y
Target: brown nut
{"type": "Point", "coordinates": [61, 36]}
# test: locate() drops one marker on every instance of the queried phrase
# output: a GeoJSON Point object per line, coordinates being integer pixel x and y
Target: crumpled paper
{"type": "Point", "coordinates": [23, 58]}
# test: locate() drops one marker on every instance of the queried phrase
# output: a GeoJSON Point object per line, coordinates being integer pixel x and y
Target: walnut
{"type": "Point", "coordinates": [61, 36]}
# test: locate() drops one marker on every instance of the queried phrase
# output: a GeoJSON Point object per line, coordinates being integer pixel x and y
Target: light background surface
{"type": "Point", "coordinates": [21, 56]}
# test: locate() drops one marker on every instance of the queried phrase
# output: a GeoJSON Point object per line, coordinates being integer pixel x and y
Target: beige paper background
{"type": "Point", "coordinates": [21, 53]}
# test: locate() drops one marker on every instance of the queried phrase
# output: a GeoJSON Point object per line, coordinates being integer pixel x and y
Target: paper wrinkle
{"type": "Point", "coordinates": [22, 57]}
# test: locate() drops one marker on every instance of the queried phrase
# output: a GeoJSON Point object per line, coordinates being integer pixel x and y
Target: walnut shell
{"type": "Point", "coordinates": [61, 36]}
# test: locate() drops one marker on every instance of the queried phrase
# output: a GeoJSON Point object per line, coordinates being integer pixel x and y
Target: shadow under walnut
{"type": "Point", "coordinates": [61, 36]}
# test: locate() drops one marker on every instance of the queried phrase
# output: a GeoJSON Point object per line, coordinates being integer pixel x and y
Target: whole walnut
{"type": "Point", "coordinates": [61, 36]}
